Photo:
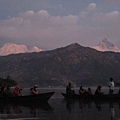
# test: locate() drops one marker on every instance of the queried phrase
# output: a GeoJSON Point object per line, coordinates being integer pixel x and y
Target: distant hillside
{"type": "Point", "coordinates": [73, 63]}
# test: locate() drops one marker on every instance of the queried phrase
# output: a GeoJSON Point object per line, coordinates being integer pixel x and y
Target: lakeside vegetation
{"type": "Point", "coordinates": [8, 81]}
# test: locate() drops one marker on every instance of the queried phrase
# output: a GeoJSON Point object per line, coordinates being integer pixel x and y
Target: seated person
{"type": "Point", "coordinates": [20, 93]}
{"type": "Point", "coordinates": [69, 89]}
{"type": "Point", "coordinates": [89, 91]}
{"type": "Point", "coordinates": [81, 90]}
{"type": "Point", "coordinates": [98, 91]}
{"type": "Point", "coordinates": [35, 90]}
{"type": "Point", "coordinates": [31, 91]}
{"type": "Point", "coordinates": [16, 91]}
{"type": "Point", "coordinates": [8, 92]}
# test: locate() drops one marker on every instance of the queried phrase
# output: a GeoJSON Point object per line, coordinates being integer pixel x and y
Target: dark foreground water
{"type": "Point", "coordinates": [58, 108]}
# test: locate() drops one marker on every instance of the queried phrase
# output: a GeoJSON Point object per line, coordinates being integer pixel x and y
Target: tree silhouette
{"type": "Point", "coordinates": [7, 82]}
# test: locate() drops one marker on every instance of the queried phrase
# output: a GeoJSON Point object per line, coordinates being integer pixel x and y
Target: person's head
{"type": "Point", "coordinates": [99, 87]}
{"type": "Point", "coordinates": [69, 84]}
{"type": "Point", "coordinates": [31, 89]}
{"type": "Point", "coordinates": [111, 79]}
{"type": "Point", "coordinates": [35, 87]}
{"type": "Point", "coordinates": [81, 87]}
{"type": "Point", "coordinates": [8, 87]}
{"type": "Point", "coordinates": [89, 89]}
{"type": "Point", "coordinates": [20, 89]}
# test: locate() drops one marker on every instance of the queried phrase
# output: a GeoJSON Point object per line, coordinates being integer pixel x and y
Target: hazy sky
{"type": "Point", "coordinates": [50, 24]}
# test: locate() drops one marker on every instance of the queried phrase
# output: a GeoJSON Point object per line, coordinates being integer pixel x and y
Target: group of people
{"type": "Point", "coordinates": [82, 91]}
{"type": "Point", "coordinates": [69, 90]}
{"type": "Point", "coordinates": [8, 92]}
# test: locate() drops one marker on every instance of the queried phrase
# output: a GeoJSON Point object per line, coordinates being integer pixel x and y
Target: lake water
{"type": "Point", "coordinates": [60, 109]}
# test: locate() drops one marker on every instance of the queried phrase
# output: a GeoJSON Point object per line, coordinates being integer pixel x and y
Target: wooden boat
{"type": "Point", "coordinates": [92, 97]}
{"type": "Point", "coordinates": [43, 97]}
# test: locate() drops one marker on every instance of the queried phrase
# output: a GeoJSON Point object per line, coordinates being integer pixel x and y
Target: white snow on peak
{"type": "Point", "coordinates": [35, 49]}
{"type": "Point", "coordinates": [11, 48]}
{"type": "Point", "coordinates": [106, 45]}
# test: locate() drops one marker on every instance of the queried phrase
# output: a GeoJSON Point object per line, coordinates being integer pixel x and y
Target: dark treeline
{"type": "Point", "coordinates": [8, 81]}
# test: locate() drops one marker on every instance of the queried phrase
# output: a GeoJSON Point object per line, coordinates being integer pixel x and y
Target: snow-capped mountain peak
{"type": "Point", "coordinates": [106, 45]}
{"type": "Point", "coordinates": [35, 49]}
{"type": "Point", "coordinates": [11, 48]}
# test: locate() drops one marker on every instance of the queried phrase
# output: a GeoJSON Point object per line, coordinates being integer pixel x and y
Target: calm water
{"type": "Point", "coordinates": [60, 109]}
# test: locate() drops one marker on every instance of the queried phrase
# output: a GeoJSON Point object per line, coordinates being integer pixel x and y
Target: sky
{"type": "Point", "coordinates": [50, 24]}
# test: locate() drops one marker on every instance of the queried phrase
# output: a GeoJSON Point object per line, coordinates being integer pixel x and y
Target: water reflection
{"type": "Point", "coordinates": [81, 104]}
{"type": "Point", "coordinates": [99, 105]}
{"type": "Point", "coordinates": [112, 110]}
{"type": "Point", "coordinates": [84, 104]}
{"type": "Point", "coordinates": [18, 110]}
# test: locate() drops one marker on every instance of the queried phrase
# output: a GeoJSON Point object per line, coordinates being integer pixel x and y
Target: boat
{"type": "Point", "coordinates": [103, 97]}
{"type": "Point", "coordinates": [43, 97]}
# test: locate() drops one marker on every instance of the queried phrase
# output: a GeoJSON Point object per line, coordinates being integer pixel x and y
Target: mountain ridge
{"type": "Point", "coordinates": [11, 48]}
{"type": "Point", "coordinates": [73, 63]}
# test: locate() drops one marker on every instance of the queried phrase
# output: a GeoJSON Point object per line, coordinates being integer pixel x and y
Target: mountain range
{"type": "Point", "coordinates": [11, 48]}
{"type": "Point", "coordinates": [74, 63]}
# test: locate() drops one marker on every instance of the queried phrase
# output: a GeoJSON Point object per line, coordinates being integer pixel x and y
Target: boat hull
{"type": "Point", "coordinates": [43, 97]}
{"type": "Point", "coordinates": [107, 97]}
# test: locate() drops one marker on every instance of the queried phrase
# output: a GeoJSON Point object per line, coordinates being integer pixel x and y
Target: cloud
{"type": "Point", "coordinates": [112, 14]}
{"type": "Point", "coordinates": [88, 10]}
{"type": "Point", "coordinates": [36, 26]}
{"type": "Point", "coordinates": [55, 31]}
{"type": "Point", "coordinates": [111, 3]}
{"type": "Point", "coordinates": [107, 19]}
{"type": "Point", "coordinates": [91, 6]}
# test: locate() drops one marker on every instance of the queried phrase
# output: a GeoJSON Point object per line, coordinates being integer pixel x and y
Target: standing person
{"type": "Point", "coordinates": [111, 85]}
